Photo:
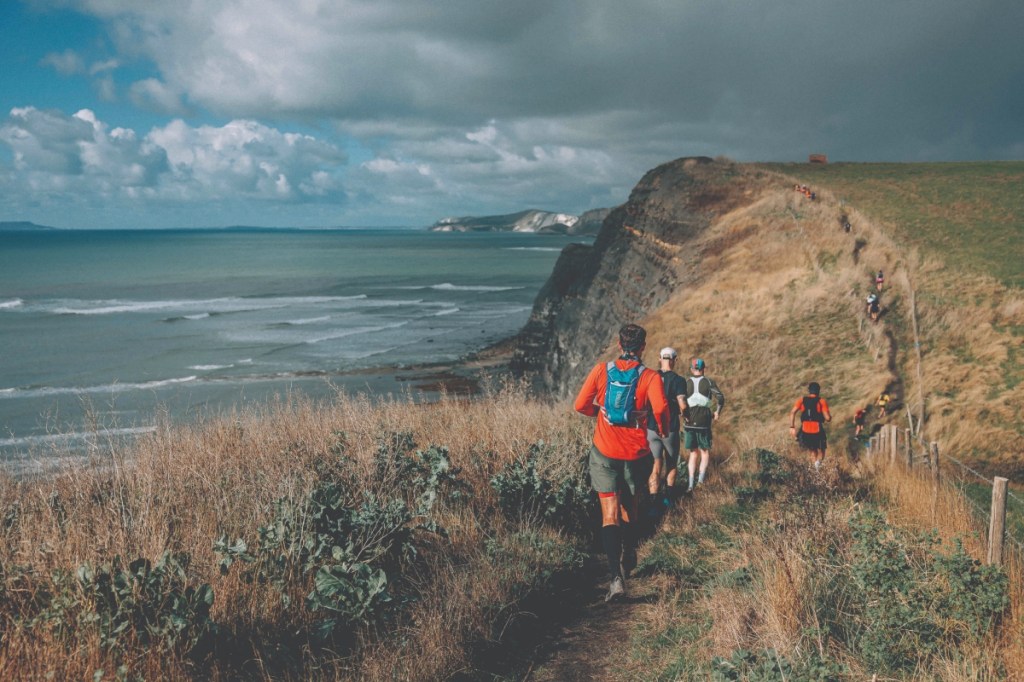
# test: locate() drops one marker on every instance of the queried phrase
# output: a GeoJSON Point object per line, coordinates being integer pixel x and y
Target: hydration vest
{"type": "Point", "coordinates": [698, 403]}
{"type": "Point", "coordinates": [695, 397]}
{"type": "Point", "coordinates": [812, 410]}
{"type": "Point", "coordinates": [620, 395]}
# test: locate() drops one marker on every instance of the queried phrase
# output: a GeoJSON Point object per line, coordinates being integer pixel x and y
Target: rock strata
{"type": "Point", "coordinates": [633, 267]}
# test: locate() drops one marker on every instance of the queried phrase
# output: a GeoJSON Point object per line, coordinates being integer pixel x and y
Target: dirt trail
{"type": "Point", "coordinates": [565, 637]}
{"type": "Point", "coordinates": [593, 642]}
{"type": "Point", "coordinates": [591, 646]}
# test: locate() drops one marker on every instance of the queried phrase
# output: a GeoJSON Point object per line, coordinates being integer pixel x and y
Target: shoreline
{"type": "Point", "coordinates": [423, 383]}
{"type": "Point", "coordinates": [461, 377]}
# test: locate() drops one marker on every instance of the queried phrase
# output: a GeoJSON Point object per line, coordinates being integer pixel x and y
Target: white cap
{"type": "Point", "coordinates": [667, 353]}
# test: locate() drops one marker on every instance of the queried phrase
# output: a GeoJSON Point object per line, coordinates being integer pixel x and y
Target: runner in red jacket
{"type": "Point", "coordinates": [620, 458]}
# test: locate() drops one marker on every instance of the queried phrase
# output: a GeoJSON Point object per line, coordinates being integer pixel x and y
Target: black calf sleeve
{"type": "Point", "coordinates": [629, 538]}
{"type": "Point", "coordinates": [611, 538]}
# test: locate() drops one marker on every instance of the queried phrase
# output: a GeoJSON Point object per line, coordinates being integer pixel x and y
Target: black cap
{"type": "Point", "coordinates": [813, 388]}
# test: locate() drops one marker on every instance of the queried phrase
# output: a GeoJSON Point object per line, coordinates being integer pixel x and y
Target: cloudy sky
{"type": "Point", "coordinates": [153, 113]}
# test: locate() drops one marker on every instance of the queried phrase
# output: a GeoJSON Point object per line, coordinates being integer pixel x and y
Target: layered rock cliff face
{"type": "Point", "coordinates": [635, 263]}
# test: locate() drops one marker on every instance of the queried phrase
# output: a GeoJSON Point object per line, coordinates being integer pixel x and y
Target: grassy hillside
{"type": "Point", "coordinates": [774, 294]}
{"type": "Point", "coordinates": [969, 214]}
{"type": "Point", "coordinates": [380, 539]}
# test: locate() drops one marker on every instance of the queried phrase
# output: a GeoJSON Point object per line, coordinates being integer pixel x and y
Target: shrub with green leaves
{"type": "Point", "coordinates": [527, 492]}
{"type": "Point", "coordinates": [356, 537]}
{"type": "Point", "coordinates": [769, 665]}
{"type": "Point", "coordinates": [152, 604]}
{"type": "Point", "coordinates": [916, 602]}
{"type": "Point", "coordinates": [771, 472]}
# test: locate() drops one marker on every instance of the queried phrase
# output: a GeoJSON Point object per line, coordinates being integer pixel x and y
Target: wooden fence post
{"type": "Point", "coordinates": [933, 461]}
{"type": "Point", "coordinates": [909, 451]}
{"type": "Point", "coordinates": [998, 521]}
{"type": "Point", "coordinates": [936, 474]}
{"type": "Point", "coordinates": [892, 442]}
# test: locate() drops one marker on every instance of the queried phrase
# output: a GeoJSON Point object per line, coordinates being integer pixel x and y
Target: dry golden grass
{"type": "Point", "coordinates": [774, 298]}
{"type": "Point", "coordinates": [784, 551]}
{"type": "Point", "coordinates": [183, 486]}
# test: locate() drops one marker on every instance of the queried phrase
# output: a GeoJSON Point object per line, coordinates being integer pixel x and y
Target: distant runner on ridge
{"type": "Point", "coordinates": [813, 412]}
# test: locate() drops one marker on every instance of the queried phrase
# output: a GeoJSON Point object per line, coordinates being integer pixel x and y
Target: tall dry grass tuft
{"type": "Point", "coordinates": [916, 502]}
{"type": "Point", "coordinates": [184, 486]}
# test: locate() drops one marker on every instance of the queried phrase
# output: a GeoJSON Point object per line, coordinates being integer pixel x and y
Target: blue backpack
{"type": "Point", "coordinates": [620, 395]}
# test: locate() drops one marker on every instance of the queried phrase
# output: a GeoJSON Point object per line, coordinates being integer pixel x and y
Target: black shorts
{"type": "Point", "coordinates": [812, 441]}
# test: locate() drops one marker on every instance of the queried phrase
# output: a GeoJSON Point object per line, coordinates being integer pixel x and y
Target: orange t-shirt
{"type": "Point", "coordinates": [623, 442]}
{"type": "Point", "coordinates": [812, 427]}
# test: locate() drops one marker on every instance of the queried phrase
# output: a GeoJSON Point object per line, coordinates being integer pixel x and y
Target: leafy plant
{"type": "Point", "coordinates": [354, 538]}
{"type": "Point", "coordinates": [769, 665]}
{"type": "Point", "coordinates": [771, 472]}
{"type": "Point", "coordinates": [526, 493]}
{"type": "Point", "coordinates": [765, 666]}
{"type": "Point", "coordinates": [916, 601]}
{"type": "Point", "coordinates": [153, 604]}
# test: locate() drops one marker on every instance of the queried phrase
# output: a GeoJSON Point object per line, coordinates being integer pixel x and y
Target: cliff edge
{"type": "Point", "coordinates": [633, 267]}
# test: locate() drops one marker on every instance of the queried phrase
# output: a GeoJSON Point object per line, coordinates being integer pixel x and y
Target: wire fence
{"type": "Point", "coordinates": [926, 457]}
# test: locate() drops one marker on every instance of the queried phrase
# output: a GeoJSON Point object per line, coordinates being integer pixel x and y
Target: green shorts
{"type": "Point", "coordinates": [609, 475]}
{"type": "Point", "coordinates": [697, 440]}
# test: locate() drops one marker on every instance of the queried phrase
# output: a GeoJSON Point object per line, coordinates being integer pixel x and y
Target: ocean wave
{"type": "Point", "coordinates": [209, 368]}
{"type": "Point", "coordinates": [281, 335]}
{"type": "Point", "coordinates": [308, 320]}
{"type": "Point", "coordinates": [12, 303]}
{"type": "Point", "coordinates": [532, 248]}
{"type": "Point", "coordinates": [448, 286]}
{"type": "Point", "coordinates": [446, 311]}
{"type": "Point", "coordinates": [182, 318]}
{"type": "Point", "coordinates": [75, 436]}
{"type": "Point", "coordinates": [354, 332]}
{"type": "Point", "coordinates": [43, 391]}
{"type": "Point", "coordinates": [208, 306]}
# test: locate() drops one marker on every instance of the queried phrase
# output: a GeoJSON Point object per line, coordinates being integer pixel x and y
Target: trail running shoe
{"type": "Point", "coordinates": [616, 589]}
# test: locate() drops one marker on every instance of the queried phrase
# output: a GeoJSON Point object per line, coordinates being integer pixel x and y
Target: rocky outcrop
{"type": "Point", "coordinates": [23, 226]}
{"type": "Point", "coordinates": [524, 221]}
{"type": "Point", "coordinates": [634, 265]}
{"type": "Point", "coordinates": [590, 222]}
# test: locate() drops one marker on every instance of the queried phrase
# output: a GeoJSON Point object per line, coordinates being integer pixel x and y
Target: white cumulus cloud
{"type": "Point", "coordinates": [65, 158]}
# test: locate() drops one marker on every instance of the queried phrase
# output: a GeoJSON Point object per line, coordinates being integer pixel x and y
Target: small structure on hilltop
{"type": "Point", "coordinates": [817, 158]}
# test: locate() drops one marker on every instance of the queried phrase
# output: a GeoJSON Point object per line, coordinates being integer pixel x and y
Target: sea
{"type": "Point", "coordinates": [103, 331]}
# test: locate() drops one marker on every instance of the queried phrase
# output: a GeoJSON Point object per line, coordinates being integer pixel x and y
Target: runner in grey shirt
{"type": "Point", "coordinates": [665, 450]}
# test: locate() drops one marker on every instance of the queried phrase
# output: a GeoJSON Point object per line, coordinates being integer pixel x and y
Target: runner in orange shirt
{"type": "Point", "coordinates": [813, 411]}
{"type": "Point", "coordinates": [618, 394]}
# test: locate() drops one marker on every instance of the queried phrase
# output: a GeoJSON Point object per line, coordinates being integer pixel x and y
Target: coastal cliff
{"type": "Point", "coordinates": [634, 265]}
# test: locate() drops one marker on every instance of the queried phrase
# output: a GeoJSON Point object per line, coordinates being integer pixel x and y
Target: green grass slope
{"type": "Point", "coordinates": [970, 213]}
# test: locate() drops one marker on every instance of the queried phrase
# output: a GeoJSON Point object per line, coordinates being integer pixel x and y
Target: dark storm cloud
{"type": "Point", "coordinates": [485, 105]}
{"type": "Point", "coordinates": [758, 80]}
